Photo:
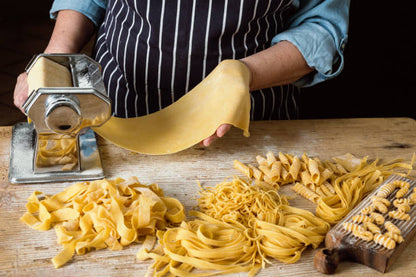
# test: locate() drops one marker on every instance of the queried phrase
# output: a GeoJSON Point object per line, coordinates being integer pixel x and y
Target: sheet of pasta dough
{"type": "Point", "coordinates": [47, 73]}
{"type": "Point", "coordinates": [222, 97]}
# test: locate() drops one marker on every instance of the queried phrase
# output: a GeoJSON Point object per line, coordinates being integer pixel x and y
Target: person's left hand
{"type": "Point", "coordinates": [221, 131]}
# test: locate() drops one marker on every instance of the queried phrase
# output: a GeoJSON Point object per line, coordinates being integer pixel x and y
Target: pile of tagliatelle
{"type": "Point", "coordinates": [102, 214]}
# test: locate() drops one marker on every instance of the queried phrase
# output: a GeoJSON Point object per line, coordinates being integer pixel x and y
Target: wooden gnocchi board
{"type": "Point", "coordinates": [342, 245]}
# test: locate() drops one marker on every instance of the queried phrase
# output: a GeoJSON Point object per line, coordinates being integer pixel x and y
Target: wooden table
{"type": "Point", "coordinates": [26, 252]}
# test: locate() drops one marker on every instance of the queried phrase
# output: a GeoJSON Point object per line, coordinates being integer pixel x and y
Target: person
{"type": "Point", "coordinates": [153, 52]}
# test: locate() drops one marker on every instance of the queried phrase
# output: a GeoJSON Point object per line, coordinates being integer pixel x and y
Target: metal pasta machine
{"type": "Point", "coordinates": [66, 98]}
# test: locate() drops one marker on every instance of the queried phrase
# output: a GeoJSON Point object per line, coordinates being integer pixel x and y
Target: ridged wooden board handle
{"type": "Point", "coordinates": [326, 260]}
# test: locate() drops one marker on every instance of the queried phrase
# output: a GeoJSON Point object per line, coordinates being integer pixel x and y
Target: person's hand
{"type": "Point", "coordinates": [21, 91]}
{"type": "Point", "coordinates": [221, 131]}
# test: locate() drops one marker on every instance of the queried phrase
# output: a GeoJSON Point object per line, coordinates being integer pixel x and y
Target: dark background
{"type": "Point", "coordinates": [378, 79]}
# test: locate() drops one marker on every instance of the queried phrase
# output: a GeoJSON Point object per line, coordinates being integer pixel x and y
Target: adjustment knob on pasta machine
{"type": "Point", "coordinates": [66, 97]}
{"type": "Point", "coordinates": [63, 114]}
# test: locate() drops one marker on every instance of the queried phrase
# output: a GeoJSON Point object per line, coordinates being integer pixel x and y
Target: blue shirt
{"type": "Point", "coordinates": [319, 29]}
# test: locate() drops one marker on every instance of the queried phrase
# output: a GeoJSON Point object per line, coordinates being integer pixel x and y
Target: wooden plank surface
{"type": "Point", "coordinates": [26, 252]}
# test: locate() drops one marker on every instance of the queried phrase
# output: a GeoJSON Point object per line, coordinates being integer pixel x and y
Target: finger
{"type": "Point", "coordinates": [20, 91]}
{"type": "Point", "coordinates": [207, 142]}
{"type": "Point", "coordinates": [223, 129]}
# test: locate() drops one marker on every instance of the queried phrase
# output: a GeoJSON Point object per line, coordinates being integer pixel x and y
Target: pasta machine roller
{"type": "Point", "coordinates": [57, 144]}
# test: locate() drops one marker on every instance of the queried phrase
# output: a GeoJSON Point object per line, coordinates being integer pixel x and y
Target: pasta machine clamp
{"type": "Point", "coordinates": [57, 143]}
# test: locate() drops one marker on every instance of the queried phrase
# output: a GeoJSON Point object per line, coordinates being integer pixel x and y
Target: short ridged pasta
{"type": "Point", "coordinates": [359, 218]}
{"type": "Point", "coordinates": [384, 241]}
{"type": "Point", "coordinates": [383, 200]}
{"type": "Point", "coordinates": [380, 207]}
{"type": "Point", "coordinates": [402, 192]}
{"type": "Point", "coordinates": [365, 235]}
{"type": "Point", "coordinates": [405, 208]}
{"type": "Point", "coordinates": [392, 228]}
{"type": "Point", "coordinates": [373, 228]}
{"type": "Point", "coordinates": [305, 192]}
{"type": "Point", "coordinates": [351, 227]}
{"type": "Point", "coordinates": [378, 218]}
{"type": "Point", "coordinates": [399, 215]}
{"type": "Point", "coordinates": [367, 210]}
{"type": "Point", "coordinates": [396, 237]}
{"type": "Point", "coordinates": [386, 190]}
{"type": "Point", "coordinates": [398, 202]}
{"type": "Point", "coordinates": [401, 184]}
{"type": "Point", "coordinates": [245, 170]}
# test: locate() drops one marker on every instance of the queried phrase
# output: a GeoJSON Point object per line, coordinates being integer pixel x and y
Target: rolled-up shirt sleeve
{"type": "Point", "coordinates": [93, 9]}
{"type": "Point", "coordinates": [319, 29]}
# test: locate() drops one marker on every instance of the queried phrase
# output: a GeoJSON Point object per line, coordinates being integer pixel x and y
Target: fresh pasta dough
{"type": "Point", "coordinates": [48, 73]}
{"type": "Point", "coordinates": [102, 214]}
{"type": "Point", "coordinates": [222, 97]}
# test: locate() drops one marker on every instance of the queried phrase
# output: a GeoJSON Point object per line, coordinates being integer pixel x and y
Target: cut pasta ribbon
{"type": "Point", "coordinates": [221, 98]}
{"type": "Point", "coordinates": [102, 214]}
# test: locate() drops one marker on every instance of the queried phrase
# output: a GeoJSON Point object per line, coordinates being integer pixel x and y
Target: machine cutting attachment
{"type": "Point", "coordinates": [57, 143]}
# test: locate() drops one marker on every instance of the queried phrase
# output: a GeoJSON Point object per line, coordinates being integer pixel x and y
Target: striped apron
{"type": "Point", "coordinates": [153, 52]}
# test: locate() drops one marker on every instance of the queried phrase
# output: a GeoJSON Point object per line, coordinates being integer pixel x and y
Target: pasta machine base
{"type": "Point", "coordinates": [23, 149]}
{"type": "Point", "coordinates": [342, 245]}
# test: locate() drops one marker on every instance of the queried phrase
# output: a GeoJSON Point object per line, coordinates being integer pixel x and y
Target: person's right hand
{"type": "Point", "coordinates": [21, 91]}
